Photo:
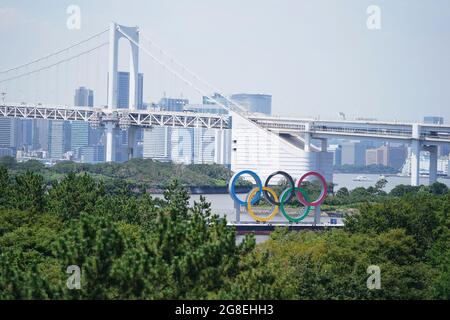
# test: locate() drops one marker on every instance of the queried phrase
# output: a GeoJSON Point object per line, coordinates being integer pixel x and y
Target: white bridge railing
{"type": "Point", "coordinates": [124, 117]}
{"type": "Point", "coordinates": [320, 128]}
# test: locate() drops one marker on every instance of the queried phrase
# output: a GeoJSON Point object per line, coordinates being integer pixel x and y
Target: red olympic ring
{"type": "Point", "coordinates": [322, 196]}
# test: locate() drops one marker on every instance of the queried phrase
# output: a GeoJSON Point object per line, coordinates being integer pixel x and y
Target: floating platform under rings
{"type": "Point", "coordinates": [259, 228]}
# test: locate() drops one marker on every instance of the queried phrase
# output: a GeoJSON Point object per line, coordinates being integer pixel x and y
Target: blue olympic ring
{"type": "Point", "coordinates": [232, 186]}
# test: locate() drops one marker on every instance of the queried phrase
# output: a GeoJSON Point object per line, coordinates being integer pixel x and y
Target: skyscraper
{"type": "Point", "coordinates": [387, 155]}
{"type": "Point", "coordinates": [215, 99]}
{"type": "Point", "coordinates": [204, 145]}
{"type": "Point", "coordinates": [24, 133]}
{"type": "Point", "coordinates": [80, 130]}
{"type": "Point", "coordinates": [173, 104]}
{"type": "Point", "coordinates": [354, 153]}
{"type": "Point", "coordinates": [7, 132]}
{"type": "Point", "coordinates": [336, 149]}
{"type": "Point", "coordinates": [254, 103]}
{"type": "Point", "coordinates": [58, 138]}
{"type": "Point", "coordinates": [79, 135]}
{"type": "Point", "coordinates": [182, 143]}
{"type": "Point", "coordinates": [157, 143]}
{"type": "Point", "coordinates": [84, 97]}
{"type": "Point", "coordinates": [433, 120]}
{"type": "Point", "coordinates": [40, 134]}
{"type": "Point", "coordinates": [123, 87]}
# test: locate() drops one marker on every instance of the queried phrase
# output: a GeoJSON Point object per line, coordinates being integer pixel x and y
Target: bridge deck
{"type": "Point", "coordinates": [124, 117]}
{"type": "Point", "coordinates": [146, 118]}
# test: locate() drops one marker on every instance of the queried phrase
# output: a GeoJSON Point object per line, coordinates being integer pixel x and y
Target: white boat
{"type": "Point", "coordinates": [361, 178]}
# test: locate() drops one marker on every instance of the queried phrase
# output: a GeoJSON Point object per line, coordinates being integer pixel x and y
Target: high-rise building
{"type": "Point", "coordinates": [387, 155]}
{"type": "Point", "coordinates": [396, 156]}
{"type": "Point", "coordinates": [354, 153]}
{"type": "Point", "coordinates": [84, 97]}
{"type": "Point", "coordinates": [123, 90]}
{"type": "Point", "coordinates": [254, 103]}
{"type": "Point", "coordinates": [173, 104]}
{"type": "Point", "coordinates": [433, 120]}
{"type": "Point", "coordinates": [79, 135]}
{"type": "Point", "coordinates": [58, 138]}
{"type": "Point", "coordinates": [27, 130]}
{"type": "Point", "coordinates": [6, 152]}
{"type": "Point", "coordinates": [336, 149]}
{"type": "Point", "coordinates": [7, 133]}
{"type": "Point", "coordinates": [215, 99]}
{"type": "Point", "coordinates": [40, 134]}
{"type": "Point", "coordinates": [182, 143]}
{"type": "Point", "coordinates": [211, 146]}
{"type": "Point", "coordinates": [188, 145]}
{"type": "Point", "coordinates": [157, 143]}
{"type": "Point", "coordinates": [375, 156]}
{"type": "Point", "coordinates": [204, 145]}
{"type": "Point", "coordinates": [92, 154]}
{"type": "Point", "coordinates": [80, 130]}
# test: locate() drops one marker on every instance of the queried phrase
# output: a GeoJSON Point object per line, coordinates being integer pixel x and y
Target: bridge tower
{"type": "Point", "coordinates": [116, 32]}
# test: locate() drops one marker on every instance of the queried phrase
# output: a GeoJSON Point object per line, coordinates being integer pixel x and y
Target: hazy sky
{"type": "Point", "coordinates": [316, 57]}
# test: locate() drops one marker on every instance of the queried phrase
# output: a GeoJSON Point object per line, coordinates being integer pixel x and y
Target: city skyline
{"type": "Point", "coordinates": [398, 72]}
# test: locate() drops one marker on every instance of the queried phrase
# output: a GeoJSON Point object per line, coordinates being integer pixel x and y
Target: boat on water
{"type": "Point", "coordinates": [361, 178]}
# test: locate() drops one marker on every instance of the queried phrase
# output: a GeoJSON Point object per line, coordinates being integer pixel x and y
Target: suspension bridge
{"type": "Point", "coordinates": [39, 88]}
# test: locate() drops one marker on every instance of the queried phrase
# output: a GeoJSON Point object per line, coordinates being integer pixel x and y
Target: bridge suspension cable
{"type": "Point", "coordinates": [53, 64]}
{"type": "Point", "coordinates": [54, 53]}
{"type": "Point", "coordinates": [187, 70]}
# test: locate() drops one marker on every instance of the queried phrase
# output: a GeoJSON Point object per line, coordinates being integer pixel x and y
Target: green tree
{"type": "Point", "coordinates": [5, 188]}
{"type": "Point", "coordinates": [333, 265]}
{"type": "Point", "coordinates": [343, 193]}
{"type": "Point", "coordinates": [29, 192]}
{"type": "Point", "coordinates": [73, 195]}
{"type": "Point", "coordinates": [438, 188]}
{"type": "Point", "coordinates": [8, 162]}
{"type": "Point", "coordinates": [401, 190]}
{"type": "Point", "coordinates": [380, 184]}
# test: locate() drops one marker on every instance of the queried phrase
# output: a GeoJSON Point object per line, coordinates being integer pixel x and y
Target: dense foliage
{"type": "Point", "coordinates": [136, 173]}
{"type": "Point", "coordinates": [132, 246]}
{"type": "Point", "coordinates": [376, 193]}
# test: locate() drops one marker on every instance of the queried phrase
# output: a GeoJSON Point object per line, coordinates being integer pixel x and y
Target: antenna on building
{"type": "Point", "coordinates": [3, 97]}
{"type": "Point", "coordinates": [342, 115]}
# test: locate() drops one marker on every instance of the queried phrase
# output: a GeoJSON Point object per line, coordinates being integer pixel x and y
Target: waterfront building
{"type": "Point", "coordinates": [387, 155]}
{"type": "Point", "coordinates": [173, 104]}
{"type": "Point", "coordinates": [157, 143]}
{"type": "Point", "coordinates": [354, 153]}
{"type": "Point", "coordinates": [254, 103]}
{"type": "Point", "coordinates": [336, 149]}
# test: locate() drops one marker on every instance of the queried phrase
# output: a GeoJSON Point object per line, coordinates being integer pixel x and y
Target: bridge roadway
{"type": "Point", "coordinates": [124, 118]}
{"type": "Point", "coordinates": [318, 129]}
{"type": "Point", "coordinates": [420, 136]}
{"type": "Point", "coordinates": [323, 129]}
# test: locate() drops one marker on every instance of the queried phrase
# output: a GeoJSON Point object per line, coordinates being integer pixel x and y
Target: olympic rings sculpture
{"type": "Point", "coordinates": [270, 195]}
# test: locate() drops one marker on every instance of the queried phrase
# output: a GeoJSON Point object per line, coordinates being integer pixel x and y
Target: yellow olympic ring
{"type": "Point", "coordinates": [250, 209]}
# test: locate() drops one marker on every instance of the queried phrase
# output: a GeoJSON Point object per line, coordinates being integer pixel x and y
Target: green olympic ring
{"type": "Point", "coordinates": [283, 197]}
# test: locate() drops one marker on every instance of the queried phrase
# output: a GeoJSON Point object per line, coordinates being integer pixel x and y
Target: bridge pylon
{"type": "Point", "coordinates": [116, 32]}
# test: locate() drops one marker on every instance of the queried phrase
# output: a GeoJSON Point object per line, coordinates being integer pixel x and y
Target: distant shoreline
{"type": "Point", "coordinates": [204, 190]}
